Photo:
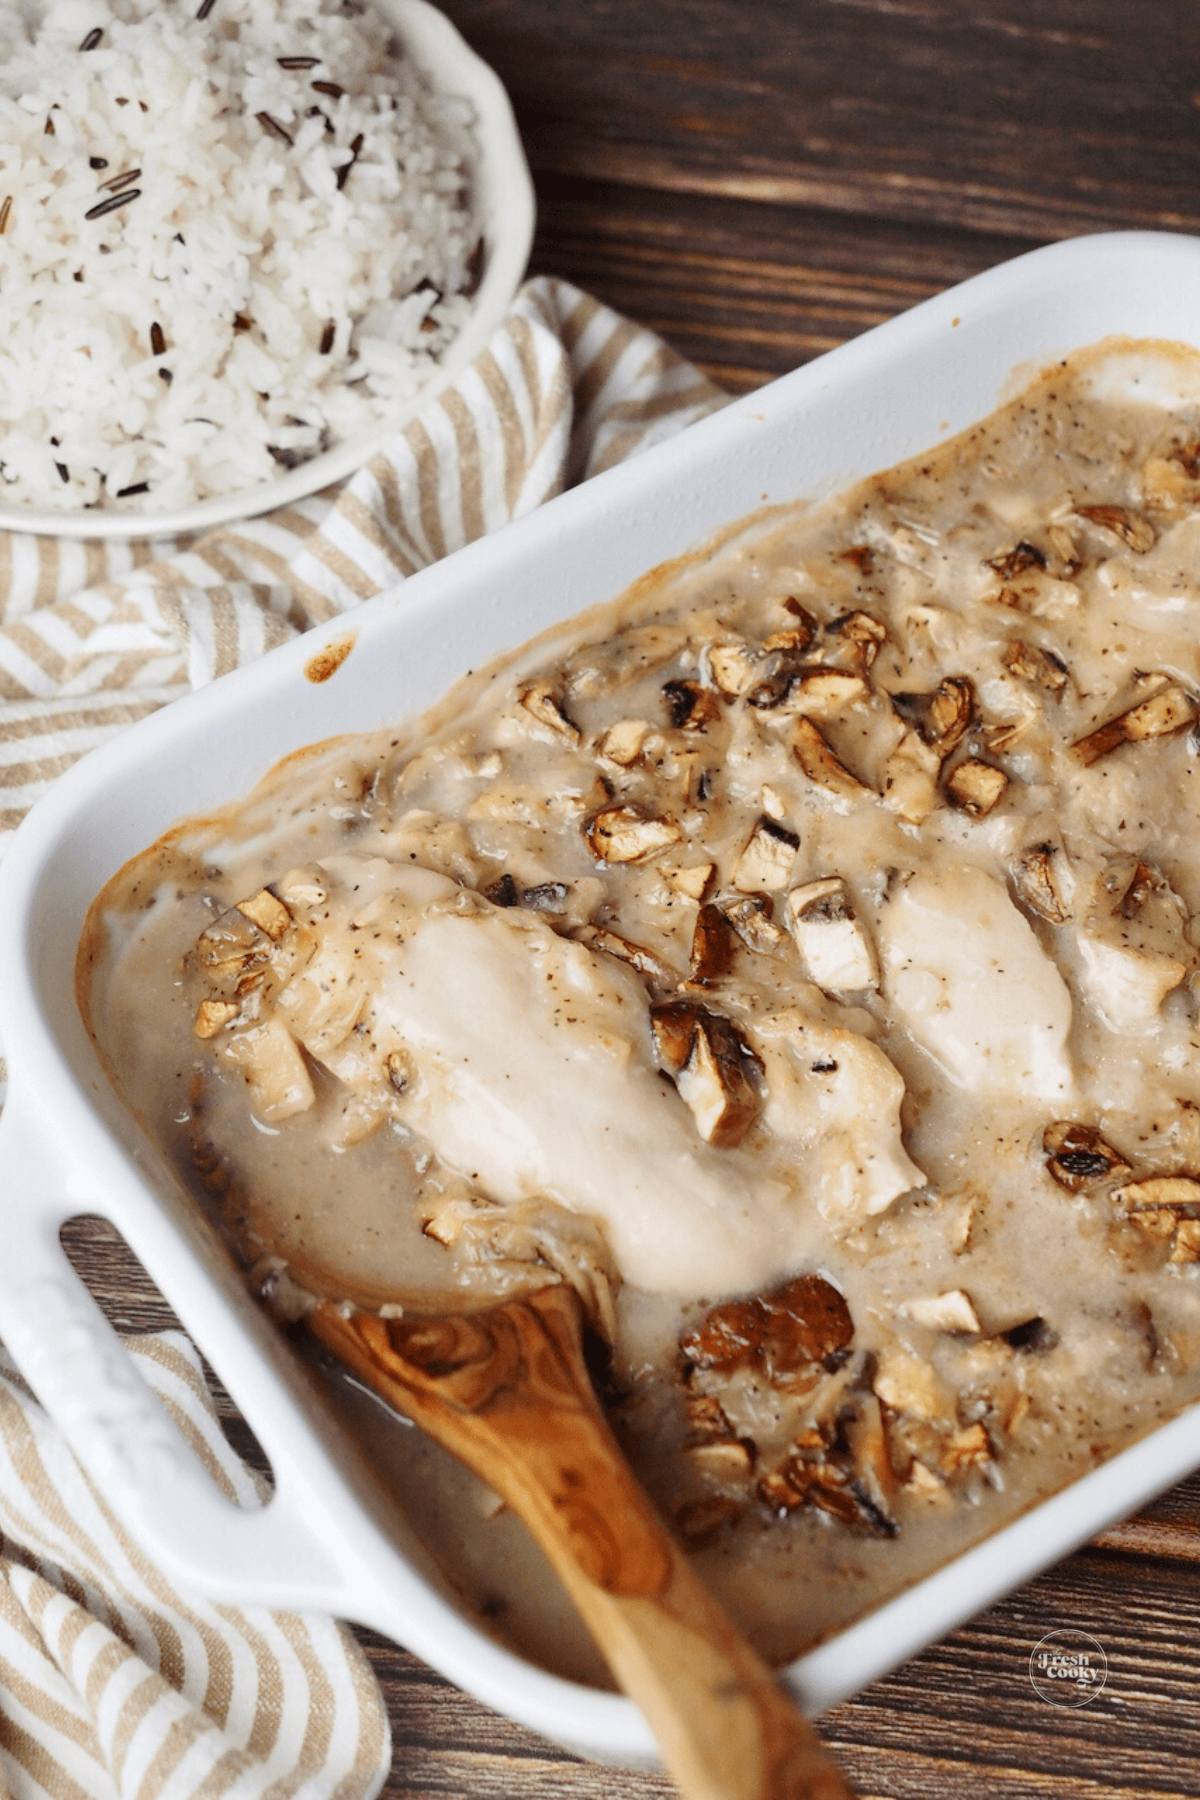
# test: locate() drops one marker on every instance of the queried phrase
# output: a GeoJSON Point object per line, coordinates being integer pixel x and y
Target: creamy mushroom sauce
{"type": "Point", "coordinates": [800, 956]}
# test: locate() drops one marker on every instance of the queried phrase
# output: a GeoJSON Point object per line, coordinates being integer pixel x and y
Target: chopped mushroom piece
{"type": "Point", "coordinates": [729, 1337]}
{"type": "Point", "coordinates": [1066, 550]}
{"type": "Point", "coordinates": [715, 1070]}
{"type": "Point", "coordinates": [1018, 561]}
{"type": "Point", "coordinates": [944, 1312]}
{"type": "Point", "coordinates": [910, 779]}
{"type": "Point", "coordinates": [1168, 1191]}
{"type": "Point", "coordinates": [733, 668]}
{"type": "Point", "coordinates": [622, 743]}
{"type": "Point", "coordinates": [1034, 881]}
{"type": "Point", "coordinates": [689, 879]}
{"type": "Point", "coordinates": [1078, 1155]}
{"type": "Point", "coordinates": [965, 1449]}
{"type": "Point", "coordinates": [811, 1479]}
{"type": "Point", "coordinates": [699, 1521]}
{"type": "Point", "coordinates": [726, 1458]}
{"type": "Point", "coordinates": [751, 918]}
{"type": "Point", "coordinates": [861, 633]}
{"type": "Point", "coordinates": [976, 787]}
{"type": "Point", "coordinates": [821, 765]}
{"type": "Point", "coordinates": [805, 1321]}
{"type": "Point", "coordinates": [836, 951]}
{"type": "Point", "coordinates": [267, 912]}
{"type": "Point", "coordinates": [793, 637]}
{"type": "Point", "coordinates": [942, 716]}
{"type": "Point", "coordinates": [213, 1016]}
{"type": "Point", "coordinates": [766, 862]}
{"type": "Point", "coordinates": [547, 896]}
{"type": "Point", "coordinates": [860, 1422]}
{"type": "Point", "coordinates": [231, 944]}
{"type": "Point", "coordinates": [722, 1098]}
{"type": "Point", "coordinates": [1129, 528]}
{"type": "Point", "coordinates": [828, 691]}
{"type": "Point", "coordinates": [776, 687]}
{"type": "Point", "coordinates": [1165, 712]}
{"type": "Point", "coordinates": [803, 629]}
{"type": "Point", "coordinates": [625, 834]}
{"type": "Point", "coordinates": [543, 704]}
{"type": "Point", "coordinates": [691, 707]}
{"type": "Point", "coordinates": [303, 887]}
{"type": "Point", "coordinates": [927, 1486]}
{"type": "Point", "coordinates": [1156, 1221]}
{"type": "Point", "coordinates": [713, 946]}
{"type": "Point", "coordinates": [1186, 1248]}
{"type": "Point", "coordinates": [909, 1384]}
{"type": "Point", "coordinates": [706, 1419]}
{"type": "Point", "coordinates": [596, 937]}
{"type": "Point", "coordinates": [1031, 1337]}
{"type": "Point", "coordinates": [1030, 663]}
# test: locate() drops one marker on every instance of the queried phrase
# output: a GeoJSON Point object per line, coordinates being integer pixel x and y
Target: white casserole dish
{"type": "Point", "coordinates": [67, 1146]}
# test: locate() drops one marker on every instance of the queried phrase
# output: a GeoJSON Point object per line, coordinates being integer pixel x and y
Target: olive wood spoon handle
{"type": "Point", "coordinates": [507, 1391]}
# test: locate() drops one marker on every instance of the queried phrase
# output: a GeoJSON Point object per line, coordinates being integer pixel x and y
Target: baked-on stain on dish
{"type": "Point", "coordinates": [328, 661]}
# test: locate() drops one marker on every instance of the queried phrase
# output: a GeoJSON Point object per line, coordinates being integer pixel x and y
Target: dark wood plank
{"type": "Point", "coordinates": [1017, 118]}
{"type": "Point", "coordinates": [747, 292]}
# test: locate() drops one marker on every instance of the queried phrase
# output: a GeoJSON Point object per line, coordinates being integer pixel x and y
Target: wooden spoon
{"type": "Point", "coordinates": [507, 1391]}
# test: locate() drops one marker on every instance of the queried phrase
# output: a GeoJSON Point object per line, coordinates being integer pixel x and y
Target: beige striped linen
{"type": "Point", "coordinates": [110, 1683]}
{"type": "Point", "coordinates": [115, 1687]}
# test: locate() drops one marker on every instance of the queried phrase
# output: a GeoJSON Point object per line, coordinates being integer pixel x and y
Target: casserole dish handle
{"type": "Point", "coordinates": [122, 1434]}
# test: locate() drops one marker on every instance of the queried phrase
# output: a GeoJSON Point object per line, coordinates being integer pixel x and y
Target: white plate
{"type": "Point", "coordinates": [502, 206]}
{"type": "Point", "coordinates": [66, 1144]}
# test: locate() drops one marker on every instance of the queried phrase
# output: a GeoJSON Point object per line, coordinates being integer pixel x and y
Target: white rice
{"type": "Point", "coordinates": [236, 310]}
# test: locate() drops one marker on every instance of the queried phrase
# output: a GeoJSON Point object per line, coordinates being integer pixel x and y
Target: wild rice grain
{"type": "Point", "coordinates": [297, 62]}
{"type": "Point", "coordinates": [89, 43]}
{"type": "Point", "coordinates": [206, 7]}
{"type": "Point", "coordinates": [139, 487]}
{"type": "Point", "coordinates": [63, 471]}
{"type": "Point", "coordinates": [327, 336]}
{"type": "Point", "coordinates": [111, 204]}
{"type": "Point", "coordinates": [346, 167]}
{"type": "Point", "coordinates": [158, 342]}
{"type": "Point", "coordinates": [329, 87]}
{"type": "Point", "coordinates": [97, 162]}
{"type": "Point", "coordinates": [119, 181]}
{"type": "Point", "coordinates": [5, 209]}
{"type": "Point", "coordinates": [273, 128]}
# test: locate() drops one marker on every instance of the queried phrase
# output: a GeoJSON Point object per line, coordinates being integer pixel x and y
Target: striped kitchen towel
{"type": "Point", "coordinates": [111, 1684]}
{"type": "Point", "coordinates": [115, 1687]}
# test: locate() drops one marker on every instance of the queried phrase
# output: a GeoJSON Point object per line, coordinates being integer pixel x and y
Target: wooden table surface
{"type": "Point", "coordinates": [760, 180]}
